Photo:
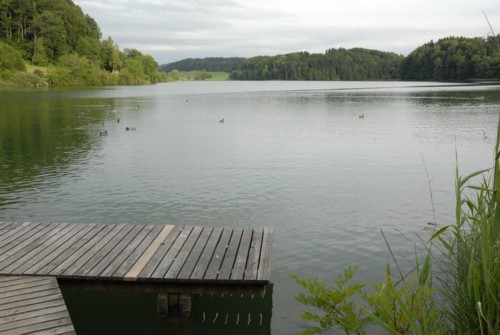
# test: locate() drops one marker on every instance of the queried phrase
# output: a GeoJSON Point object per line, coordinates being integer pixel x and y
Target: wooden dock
{"type": "Point", "coordinates": [189, 259]}
{"type": "Point", "coordinates": [32, 305]}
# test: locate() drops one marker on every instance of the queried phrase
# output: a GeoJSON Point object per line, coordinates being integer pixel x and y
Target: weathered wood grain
{"type": "Point", "coordinates": [193, 258]}
{"type": "Point", "coordinates": [137, 253]}
{"type": "Point", "coordinates": [252, 265]}
{"type": "Point", "coordinates": [183, 254]}
{"type": "Point", "coordinates": [117, 254]}
{"type": "Point", "coordinates": [206, 256]}
{"type": "Point", "coordinates": [218, 255]}
{"type": "Point", "coordinates": [264, 271]}
{"type": "Point", "coordinates": [230, 256]}
{"type": "Point", "coordinates": [56, 257]}
{"type": "Point", "coordinates": [148, 254]}
{"type": "Point", "coordinates": [238, 270]}
{"type": "Point", "coordinates": [171, 254]}
{"type": "Point", "coordinates": [104, 249]}
{"type": "Point", "coordinates": [32, 306]}
{"type": "Point", "coordinates": [131, 252]}
{"type": "Point", "coordinates": [83, 248]}
{"type": "Point", "coordinates": [33, 257]}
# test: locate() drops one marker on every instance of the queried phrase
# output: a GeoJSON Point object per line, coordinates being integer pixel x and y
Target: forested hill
{"type": "Point", "coordinates": [334, 64]}
{"type": "Point", "coordinates": [454, 59]}
{"type": "Point", "coordinates": [212, 64]}
{"type": "Point", "coordinates": [449, 59]}
{"type": "Point", "coordinates": [66, 45]}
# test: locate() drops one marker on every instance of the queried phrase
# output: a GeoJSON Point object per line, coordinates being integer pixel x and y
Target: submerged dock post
{"type": "Point", "coordinates": [174, 304]}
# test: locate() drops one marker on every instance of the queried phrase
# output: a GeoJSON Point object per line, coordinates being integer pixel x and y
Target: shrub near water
{"type": "Point", "coordinates": [466, 263]}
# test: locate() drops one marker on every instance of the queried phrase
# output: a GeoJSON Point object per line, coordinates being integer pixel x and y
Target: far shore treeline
{"type": "Point", "coordinates": [449, 59]}
{"type": "Point", "coordinates": [53, 43]}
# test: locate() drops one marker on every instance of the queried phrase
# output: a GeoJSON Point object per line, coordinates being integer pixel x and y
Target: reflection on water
{"type": "Point", "coordinates": [114, 312]}
{"type": "Point", "coordinates": [295, 156]}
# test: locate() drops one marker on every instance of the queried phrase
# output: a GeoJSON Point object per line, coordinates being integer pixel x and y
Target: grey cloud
{"type": "Point", "coordinates": [171, 30]}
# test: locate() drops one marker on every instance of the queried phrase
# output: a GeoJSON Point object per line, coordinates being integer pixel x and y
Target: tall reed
{"type": "Point", "coordinates": [470, 273]}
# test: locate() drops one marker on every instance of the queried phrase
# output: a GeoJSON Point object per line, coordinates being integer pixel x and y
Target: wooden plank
{"type": "Point", "coordinates": [60, 330]}
{"type": "Point", "coordinates": [137, 253]}
{"type": "Point", "coordinates": [11, 230]}
{"type": "Point", "coordinates": [240, 262]}
{"type": "Point", "coordinates": [6, 282]}
{"type": "Point", "coordinates": [37, 323]}
{"type": "Point", "coordinates": [31, 300]}
{"type": "Point", "coordinates": [169, 257]}
{"type": "Point", "coordinates": [61, 253]}
{"type": "Point", "coordinates": [66, 259]}
{"type": "Point", "coordinates": [16, 286]}
{"type": "Point", "coordinates": [116, 252]}
{"type": "Point", "coordinates": [29, 289]}
{"type": "Point", "coordinates": [14, 240]}
{"type": "Point", "coordinates": [28, 305]}
{"type": "Point", "coordinates": [33, 260]}
{"type": "Point", "coordinates": [18, 316]}
{"type": "Point", "coordinates": [102, 254]}
{"type": "Point", "coordinates": [160, 253]}
{"type": "Point", "coordinates": [254, 255]}
{"type": "Point", "coordinates": [32, 306]}
{"type": "Point", "coordinates": [129, 262]}
{"type": "Point", "coordinates": [148, 254]}
{"type": "Point", "coordinates": [195, 255]}
{"type": "Point", "coordinates": [34, 295]}
{"type": "Point", "coordinates": [40, 248]}
{"type": "Point", "coordinates": [7, 227]}
{"type": "Point", "coordinates": [230, 256]}
{"type": "Point", "coordinates": [92, 250]}
{"type": "Point", "coordinates": [264, 272]}
{"type": "Point", "coordinates": [183, 254]}
{"type": "Point", "coordinates": [29, 244]}
{"type": "Point", "coordinates": [218, 255]}
{"type": "Point", "coordinates": [207, 254]}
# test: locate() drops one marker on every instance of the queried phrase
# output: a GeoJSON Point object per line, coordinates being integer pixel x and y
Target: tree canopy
{"type": "Point", "coordinates": [211, 64]}
{"type": "Point", "coordinates": [334, 64]}
{"type": "Point", "coordinates": [56, 34]}
{"type": "Point", "coordinates": [454, 59]}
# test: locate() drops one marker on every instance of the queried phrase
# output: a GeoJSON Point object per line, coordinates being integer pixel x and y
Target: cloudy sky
{"type": "Point", "coordinates": [172, 30]}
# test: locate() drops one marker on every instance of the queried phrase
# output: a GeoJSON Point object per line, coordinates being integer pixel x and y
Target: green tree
{"type": "Point", "coordinates": [10, 58]}
{"type": "Point", "coordinates": [112, 59]}
{"type": "Point", "coordinates": [50, 27]}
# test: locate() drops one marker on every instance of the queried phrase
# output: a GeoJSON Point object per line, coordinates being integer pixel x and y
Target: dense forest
{"type": "Point", "coordinates": [334, 64]}
{"type": "Point", "coordinates": [454, 59]}
{"type": "Point", "coordinates": [449, 59]}
{"type": "Point", "coordinates": [66, 48]}
{"type": "Point", "coordinates": [211, 64]}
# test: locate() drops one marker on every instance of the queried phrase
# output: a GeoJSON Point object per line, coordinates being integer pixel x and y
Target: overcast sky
{"type": "Point", "coordinates": [172, 30]}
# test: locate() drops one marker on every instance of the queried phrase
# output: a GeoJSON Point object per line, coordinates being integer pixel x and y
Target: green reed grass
{"type": "Point", "coordinates": [470, 271]}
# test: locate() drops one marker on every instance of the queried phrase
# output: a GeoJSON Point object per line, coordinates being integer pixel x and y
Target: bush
{"type": "Point", "coordinates": [10, 58]}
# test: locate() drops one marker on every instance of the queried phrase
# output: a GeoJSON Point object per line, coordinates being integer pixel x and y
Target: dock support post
{"type": "Point", "coordinates": [173, 304]}
{"type": "Point", "coordinates": [185, 303]}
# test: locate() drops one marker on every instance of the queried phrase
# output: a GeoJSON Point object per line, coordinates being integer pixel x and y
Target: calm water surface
{"type": "Point", "coordinates": [292, 155]}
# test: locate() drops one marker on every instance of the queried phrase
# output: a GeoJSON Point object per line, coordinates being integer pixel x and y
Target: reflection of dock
{"type": "Point", "coordinates": [32, 305]}
{"type": "Point", "coordinates": [174, 260]}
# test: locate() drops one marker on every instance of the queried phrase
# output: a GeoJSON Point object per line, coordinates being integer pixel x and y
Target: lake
{"type": "Point", "coordinates": [326, 164]}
